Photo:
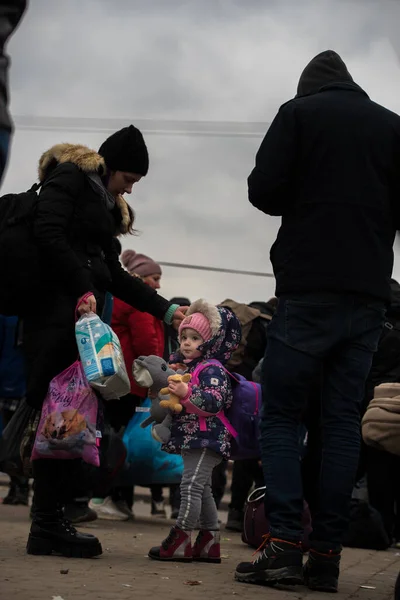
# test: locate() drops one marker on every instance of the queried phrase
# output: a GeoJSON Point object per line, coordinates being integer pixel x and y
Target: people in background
{"type": "Point", "coordinates": [12, 391]}
{"type": "Point", "coordinates": [140, 334]}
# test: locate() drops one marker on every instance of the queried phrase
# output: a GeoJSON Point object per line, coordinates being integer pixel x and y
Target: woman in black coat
{"type": "Point", "coordinates": [80, 211]}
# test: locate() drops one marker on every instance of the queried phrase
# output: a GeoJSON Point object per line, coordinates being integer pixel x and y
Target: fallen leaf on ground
{"type": "Point", "coordinates": [64, 571]}
{"type": "Point", "coordinates": [367, 587]}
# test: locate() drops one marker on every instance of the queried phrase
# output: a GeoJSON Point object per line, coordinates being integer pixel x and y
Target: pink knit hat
{"type": "Point", "coordinates": [199, 323]}
{"type": "Point", "coordinates": [140, 264]}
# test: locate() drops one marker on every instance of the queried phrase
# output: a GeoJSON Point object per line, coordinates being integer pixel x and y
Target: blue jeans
{"type": "Point", "coordinates": [310, 334]}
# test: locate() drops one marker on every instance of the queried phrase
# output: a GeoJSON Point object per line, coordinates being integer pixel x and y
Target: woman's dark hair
{"type": "Point", "coordinates": [131, 229]}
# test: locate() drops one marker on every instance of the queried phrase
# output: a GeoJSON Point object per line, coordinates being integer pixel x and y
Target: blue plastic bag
{"type": "Point", "coordinates": [146, 462]}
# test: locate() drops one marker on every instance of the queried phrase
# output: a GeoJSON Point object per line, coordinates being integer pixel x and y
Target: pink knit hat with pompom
{"type": "Point", "coordinates": [199, 323]}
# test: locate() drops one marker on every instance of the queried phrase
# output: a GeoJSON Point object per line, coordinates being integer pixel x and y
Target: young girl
{"type": "Point", "coordinates": [198, 433]}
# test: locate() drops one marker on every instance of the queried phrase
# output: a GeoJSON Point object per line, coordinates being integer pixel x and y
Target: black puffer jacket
{"type": "Point", "coordinates": [65, 250]}
{"type": "Point", "coordinates": [70, 249]}
{"type": "Point", "coordinates": [330, 167]}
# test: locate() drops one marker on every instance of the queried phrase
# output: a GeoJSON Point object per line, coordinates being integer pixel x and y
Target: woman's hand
{"type": "Point", "coordinates": [86, 304]}
{"type": "Point", "coordinates": [179, 315]}
{"type": "Point", "coordinates": [178, 388]}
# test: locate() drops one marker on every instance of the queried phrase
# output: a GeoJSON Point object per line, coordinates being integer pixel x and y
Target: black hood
{"type": "Point", "coordinates": [326, 68]}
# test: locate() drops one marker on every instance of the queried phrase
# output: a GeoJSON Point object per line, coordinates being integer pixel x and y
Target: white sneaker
{"type": "Point", "coordinates": [107, 510]}
{"type": "Point", "coordinates": [158, 509]}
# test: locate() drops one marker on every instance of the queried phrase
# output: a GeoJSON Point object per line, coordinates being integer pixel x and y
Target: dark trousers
{"type": "Point", "coordinates": [312, 454]}
{"type": "Point", "coordinates": [56, 483]}
{"type": "Point", "coordinates": [310, 334]}
{"type": "Point", "coordinates": [50, 347]}
{"type": "Point", "coordinates": [19, 481]}
{"type": "Point", "coordinates": [218, 482]}
{"type": "Point", "coordinates": [245, 473]}
{"type": "Point", "coordinates": [383, 480]}
{"type": "Point", "coordinates": [118, 413]}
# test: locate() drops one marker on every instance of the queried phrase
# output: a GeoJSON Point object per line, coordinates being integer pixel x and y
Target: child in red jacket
{"type": "Point", "coordinates": [140, 334]}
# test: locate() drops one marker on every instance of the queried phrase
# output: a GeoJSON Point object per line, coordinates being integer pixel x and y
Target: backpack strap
{"type": "Point", "coordinates": [224, 419]}
{"type": "Point", "coordinates": [204, 365]}
{"type": "Point", "coordinates": [221, 415]}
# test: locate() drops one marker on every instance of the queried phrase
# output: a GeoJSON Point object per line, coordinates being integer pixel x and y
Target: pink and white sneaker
{"type": "Point", "coordinates": [207, 547]}
{"type": "Point", "coordinates": [177, 547]}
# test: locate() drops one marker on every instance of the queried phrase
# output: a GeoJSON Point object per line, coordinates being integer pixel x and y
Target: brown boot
{"type": "Point", "coordinates": [176, 547]}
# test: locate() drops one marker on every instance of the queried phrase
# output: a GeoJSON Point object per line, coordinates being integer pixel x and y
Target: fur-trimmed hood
{"type": "Point", "coordinates": [87, 160]}
{"type": "Point", "coordinates": [83, 157]}
{"type": "Point", "coordinates": [225, 329]}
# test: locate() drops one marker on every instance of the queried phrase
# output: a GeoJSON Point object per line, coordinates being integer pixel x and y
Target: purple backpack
{"type": "Point", "coordinates": [242, 419]}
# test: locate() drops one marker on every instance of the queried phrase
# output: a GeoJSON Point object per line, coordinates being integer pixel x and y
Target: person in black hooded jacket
{"type": "Point", "coordinates": [329, 165]}
{"type": "Point", "coordinates": [70, 258]}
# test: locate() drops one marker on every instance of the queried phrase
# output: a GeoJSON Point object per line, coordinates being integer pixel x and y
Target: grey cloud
{"type": "Point", "coordinates": [208, 60]}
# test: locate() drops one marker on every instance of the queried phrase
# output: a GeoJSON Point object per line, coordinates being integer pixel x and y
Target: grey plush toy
{"type": "Point", "coordinates": [152, 372]}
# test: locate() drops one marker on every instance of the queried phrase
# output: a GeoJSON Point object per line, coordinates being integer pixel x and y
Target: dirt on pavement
{"type": "Point", "coordinates": [125, 572]}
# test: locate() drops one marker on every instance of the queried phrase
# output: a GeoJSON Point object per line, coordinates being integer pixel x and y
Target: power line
{"type": "Point", "coordinates": [215, 269]}
{"type": "Point", "coordinates": [158, 127]}
{"type": "Point", "coordinates": [251, 129]}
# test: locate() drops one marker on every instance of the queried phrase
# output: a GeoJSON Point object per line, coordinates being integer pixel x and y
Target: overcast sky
{"type": "Point", "coordinates": [219, 60]}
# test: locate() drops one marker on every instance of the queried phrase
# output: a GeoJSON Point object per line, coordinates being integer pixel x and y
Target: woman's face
{"type": "Point", "coordinates": [121, 182]}
{"type": "Point", "coordinates": [153, 281]}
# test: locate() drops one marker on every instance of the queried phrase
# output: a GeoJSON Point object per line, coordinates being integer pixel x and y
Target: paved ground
{"type": "Point", "coordinates": [124, 571]}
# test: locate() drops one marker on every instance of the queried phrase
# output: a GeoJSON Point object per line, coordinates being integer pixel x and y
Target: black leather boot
{"type": "Point", "coordinates": [51, 534]}
{"type": "Point", "coordinates": [18, 492]}
{"type": "Point", "coordinates": [12, 494]}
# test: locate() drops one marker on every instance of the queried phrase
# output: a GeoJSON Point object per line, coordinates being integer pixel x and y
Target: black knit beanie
{"type": "Point", "coordinates": [125, 150]}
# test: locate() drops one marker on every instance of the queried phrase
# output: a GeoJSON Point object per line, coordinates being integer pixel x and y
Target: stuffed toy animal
{"type": "Point", "coordinates": [152, 372]}
{"type": "Point", "coordinates": [173, 403]}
